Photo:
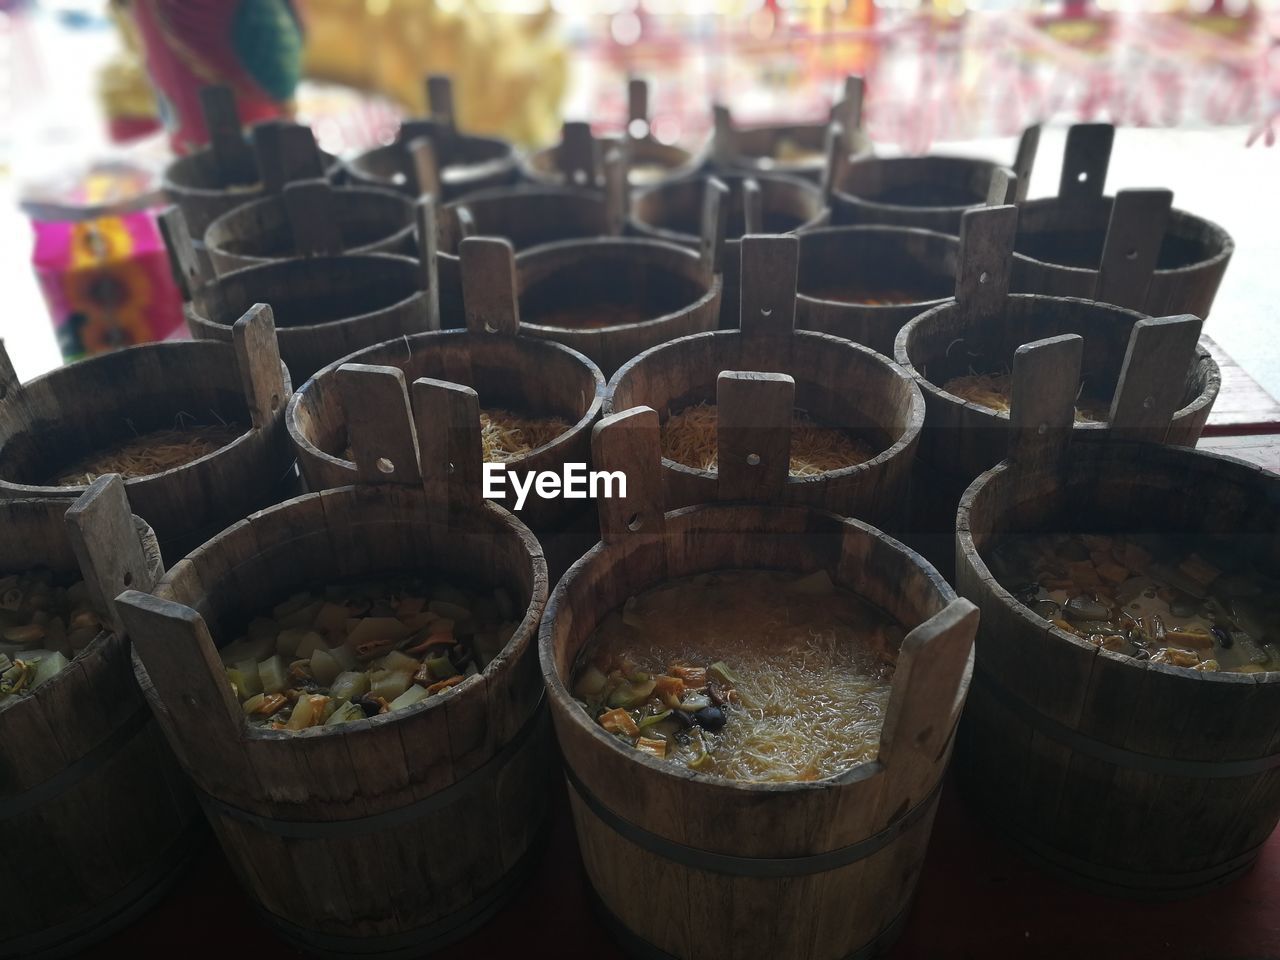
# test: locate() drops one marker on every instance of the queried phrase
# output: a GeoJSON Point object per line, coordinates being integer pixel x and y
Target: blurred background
{"type": "Point", "coordinates": [97, 95]}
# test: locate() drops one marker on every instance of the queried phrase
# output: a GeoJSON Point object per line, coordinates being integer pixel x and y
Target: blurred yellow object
{"type": "Point", "coordinates": [509, 72]}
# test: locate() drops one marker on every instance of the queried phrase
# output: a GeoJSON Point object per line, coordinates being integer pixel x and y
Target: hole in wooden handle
{"type": "Point", "coordinates": [1131, 255]}
{"type": "Point", "coordinates": [638, 129]}
{"type": "Point", "coordinates": [1042, 429]}
{"type": "Point", "coordinates": [983, 277]}
{"type": "Point", "coordinates": [385, 466]}
{"type": "Point", "coordinates": [128, 579]}
{"type": "Point", "coordinates": [753, 459]}
{"type": "Point", "coordinates": [635, 522]}
{"type": "Point", "coordinates": [1082, 177]}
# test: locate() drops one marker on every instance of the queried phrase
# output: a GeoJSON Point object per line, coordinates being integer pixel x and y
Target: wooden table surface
{"type": "Point", "coordinates": [977, 898]}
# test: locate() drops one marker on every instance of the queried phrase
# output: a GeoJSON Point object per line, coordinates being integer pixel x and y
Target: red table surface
{"type": "Point", "coordinates": [976, 899]}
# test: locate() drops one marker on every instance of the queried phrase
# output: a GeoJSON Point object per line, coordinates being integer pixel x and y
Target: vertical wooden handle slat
{"type": "Point", "coordinates": [1024, 161]}
{"type": "Point", "coordinates": [380, 425]}
{"type": "Point", "coordinates": [286, 152]}
{"type": "Point", "coordinates": [770, 267]}
{"type": "Point", "coordinates": [617, 191]}
{"type": "Point", "coordinates": [447, 420]}
{"type": "Point", "coordinates": [426, 169]}
{"type": "Point", "coordinates": [837, 159]}
{"type": "Point", "coordinates": [184, 262]}
{"type": "Point", "coordinates": [428, 262]}
{"type": "Point", "coordinates": [1153, 378]}
{"type": "Point", "coordinates": [926, 682]}
{"type": "Point", "coordinates": [1085, 161]}
{"type": "Point", "coordinates": [983, 263]}
{"type": "Point", "coordinates": [489, 286]}
{"type": "Point", "coordinates": [627, 445]}
{"type": "Point", "coordinates": [1042, 405]}
{"type": "Point", "coordinates": [715, 218]}
{"type": "Point", "coordinates": [309, 207]}
{"type": "Point", "coordinates": [10, 385]}
{"type": "Point", "coordinates": [182, 663]}
{"type": "Point", "coordinates": [105, 541]}
{"type": "Point", "coordinates": [752, 206]}
{"type": "Point", "coordinates": [849, 109]}
{"type": "Point", "coordinates": [1132, 247]}
{"type": "Point", "coordinates": [1004, 188]}
{"type": "Point", "coordinates": [577, 154]}
{"type": "Point", "coordinates": [253, 337]}
{"type": "Point", "coordinates": [637, 103]}
{"type": "Point", "coordinates": [753, 434]}
{"type": "Point", "coordinates": [440, 101]}
{"type": "Point", "coordinates": [232, 155]}
{"type": "Point", "coordinates": [723, 139]}
{"type": "Point", "coordinates": [466, 222]}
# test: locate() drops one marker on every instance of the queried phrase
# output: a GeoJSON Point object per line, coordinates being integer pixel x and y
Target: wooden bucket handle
{"type": "Point", "coordinates": [450, 450]}
{"type": "Point", "coordinates": [257, 351]}
{"type": "Point", "coordinates": [837, 153]}
{"type": "Point", "coordinates": [1004, 187]}
{"type": "Point", "coordinates": [576, 155]}
{"type": "Point", "coordinates": [849, 107]}
{"type": "Point", "coordinates": [107, 546]}
{"type": "Point", "coordinates": [1149, 390]}
{"type": "Point", "coordinates": [380, 428]}
{"type": "Point", "coordinates": [1132, 246]}
{"type": "Point", "coordinates": [1024, 161]}
{"type": "Point", "coordinates": [715, 220]}
{"type": "Point", "coordinates": [617, 190]}
{"type": "Point", "coordinates": [285, 152]}
{"type": "Point", "coordinates": [767, 311]}
{"type": "Point", "coordinates": [984, 260]}
{"type": "Point", "coordinates": [10, 385]}
{"type": "Point", "coordinates": [440, 106]}
{"type": "Point", "coordinates": [753, 434]}
{"type": "Point", "coordinates": [490, 291]}
{"type": "Point", "coordinates": [1087, 155]}
{"type": "Point", "coordinates": [466, 222]}
{"type": "Point", "coordinates": [637, 104]}
{"type": "Point", "coordinates": [724, 139]}
{"type": "Point", "coordinates": [1046, 380]}
{"type": "Point", "coordinates": [927, 682]}
{"type": "Point", "coordinates": [628, 443]}
{"type": "Point", "coordinates": [232, 156]}
{"type": "Point", "coordinates": [173, 642]}
{"type": "Point", "coordinates": [426, 168]}
{"type": "Point", "coordinates": [185, 263]}
{"type": "Point", "coordinates": [752, 206]}
{"type": "Point", "coordinates": [427, 228]}
{"type": "Point", "coordinates": [313, 224]}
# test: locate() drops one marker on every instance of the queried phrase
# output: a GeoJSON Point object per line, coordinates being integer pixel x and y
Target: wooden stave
{"type": "Point", "coordinates": [95, 806]}
{"type": "Point", "coordinates": [1141, 778]}
{"type": "Point", "coordinates": [717, 816]}
{"type": "Point", "coordinates": [874, 326]}
{"type": "Point", "coordinates": [267, 215]}
{"type": "Point", "coordinates": [307, 348]}
{"type": "Point", "coordinates": [610, 347]}
{"type": "Point", "coordinates": [870, 491]}
{"type": "Point", "coordinates": [506, 705]}
{"type": "Point", "coordinates": [259, 461]}
{"type": "Point", "coordinates": [322, 470]}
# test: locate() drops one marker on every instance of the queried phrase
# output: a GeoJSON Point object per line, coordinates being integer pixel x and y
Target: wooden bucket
{"type": "Point", "coordinates": [578, 159]}
{"type": "Point", "coordinates": [1134, 778]}
{"type": "Point", "coordinates": [389, 836]}
{"type": "Point", "coordinates": [309, 218]}
{"type": "Point", "coordinates": [757, 203]}
{"type": "Point", "coordinates": [458, 162]}
{"type": "Point", "coordinates": [841, 265]}
{"type": "Point", "coordinates": [839, 383]}
{"type": "Point", "coordinates": [583, 293]}
{"type": "Point", "coordinates": [1064, 242]}
{"type": "Point", "coordinates": [234, 170]}
{"type": "Point", "coordinates": [55, 420]}
{"type": "Point", "coordinates": [527, 216]}
{"type": "Point", "coordinates": [325, 306]}
{"type": "Point", "coordinates": [931, 192]}
{"type": "Point", "coordinates": [506, 370]}
{"type": "Point", "coordinates": [962, 439]}
{"type": "Point", "coordinates": [822, 869]}
{"type": "Point", "coordinates": [794, 149]}
{"type": "Point", "coordinates": [97, 819]}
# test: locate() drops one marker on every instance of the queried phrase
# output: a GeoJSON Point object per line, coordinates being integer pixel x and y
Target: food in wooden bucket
{"type": "Point", "coordinates": [1151, 596]}
{"type": "Point", "coordinates": [150, 453]}
{"type": "Point", "coordinates": [356, 650]}
{"type": "Point", "coordinates": [42, 626]}
{"type": "Point", "coordinates": [749, 675]}
{"type": "Point", "coordinates": [992, 390]}
{"type": "Point", "coordinates": [689, 437]}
